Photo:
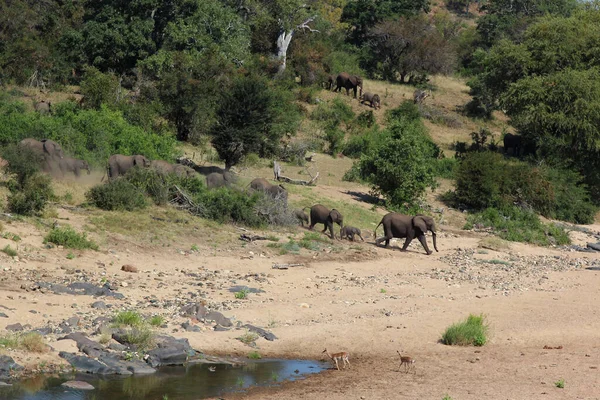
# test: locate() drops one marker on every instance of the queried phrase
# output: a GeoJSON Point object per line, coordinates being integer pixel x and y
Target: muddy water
{"type": "Point", "coordinates": [172, 383]}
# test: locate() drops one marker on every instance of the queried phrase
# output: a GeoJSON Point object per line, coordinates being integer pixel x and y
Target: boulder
{"type": "Point", "coordinates": [218, 318]}
{"type": "Point", "coordinates": [85, 364]}
{"type": "Point", "coordinates": [261, 332]}
{"type": "Point", "coordinates": [167, 356]}
{"type": "Point", "coordinates": [79, 385]}
{"type": "Point", "coordinates": [15, 327]}
{"type": "Point", "coordinates": [7, 365]}
{"type": "Point", "coordinates": [85, 345]}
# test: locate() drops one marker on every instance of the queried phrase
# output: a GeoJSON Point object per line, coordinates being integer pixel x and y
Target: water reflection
{"type": "Point", "coordinates": [178, 383]}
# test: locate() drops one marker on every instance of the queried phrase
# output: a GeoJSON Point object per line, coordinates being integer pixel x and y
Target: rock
{"type": "Point", "coordinates": [261, 332]}
{"type": "Point", "coordinates": [124, 284]}
{"type": "Point", "coordinates": [117, 346]}
{"type": "Point", "coordinates": [100, 305]}
{"type": "Point", "coordinates": [15, 327]}
{"type": "Point", "coordinates": [80, 385]}
{"type": "Point", "coordinates": [7, 365]}
{"type": "Point", "coordinates": [43, 331]}
{"type": "Point", "coordinates": [218, 318]}
{"type": "Point", "coordinates": [113, 362]}
{"type": "Point", "coordinates": [85, 345]}
{"type": "Point", "coordinates": [81, 288]}
{"type": "Point", "coordinates": [594, 246]}
{"type": "Point", "coordinates": [219, 328]}
{"type": "Point", "coordinates": [196, 310]}
{"type": "Point", "coordinates": [129, 268]}
{"type": "Point", "coordinates": [2, 315]}
{"type": "Point", "coordinates": [190, 327]}
{"type": "Point", "coordinates": [85, 364]}
{"type": "Point", "coordinates": [166, 356]}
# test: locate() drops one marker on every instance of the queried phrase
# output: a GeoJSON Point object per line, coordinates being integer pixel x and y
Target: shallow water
{"type": "Point", "coordinates": [177, 383]}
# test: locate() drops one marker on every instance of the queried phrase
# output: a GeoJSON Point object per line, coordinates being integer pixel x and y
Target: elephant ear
{"type": "Point", "coordinates": [419, 222]}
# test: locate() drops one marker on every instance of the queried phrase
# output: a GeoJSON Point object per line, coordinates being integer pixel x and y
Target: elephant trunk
{"type": "Point", "coordinates": [434, 235]}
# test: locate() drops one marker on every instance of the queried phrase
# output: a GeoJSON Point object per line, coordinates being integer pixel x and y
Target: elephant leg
{"type": "Point", "coordinates": [324, 228]}
{"type": "Point", "coordinates": [406, 243]}
{"type": "Point", "coordinates": [424, 244]}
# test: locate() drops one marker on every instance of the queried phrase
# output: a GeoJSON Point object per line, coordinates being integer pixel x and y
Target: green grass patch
{"type": "Point", "coordinates": [254, 355]}
{"type": "Point", "coordinates": [248, 338]}
{"type": "Point", "coordinates": [471, 332]}
{"type": "Point", "coordinates": [497, 262]}
{"type": "Point", "coordinates": [32, 342]}
{"type": "Point", "coordinates": [560, 384]}
{"type": "Point", "coordinates": [242, 294]}
{"type": "Point", "coordinates": [69, 238]}
{"type": "Point", "coordinates": [9, 251]}
{"type": "Point", "coordinates": [157, 320]}
{"type": "Point", "coordinates": [11, 236]}
{"type": "Point", "coordinates": [518, 225]}
{"type": "Point", "coordinates": [128, 318]}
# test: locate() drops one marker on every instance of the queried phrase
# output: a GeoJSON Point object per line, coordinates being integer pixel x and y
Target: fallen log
{"type": "Point", "coordinates": [251, 238]}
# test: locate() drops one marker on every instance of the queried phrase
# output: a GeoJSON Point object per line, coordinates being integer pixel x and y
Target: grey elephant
{"type": "Point", "coordinates": [349, 232]}
{"type": "Point", "coordinates": [301, 216]}
{"type": "Point", "coordinates": [329, 83]}
{"type": "Point", "coordinates": [43, 107]}
{"type": "Point", "coordinates": [513, 142]}
{"type": "Point", "coordinates": [73, 165]}
{"type": "Point", "coordinates": [347, 81]}
{"type": "Point", "coordinates": [275, 191]}
{"type": "Point", "coordinates": [119, 164]}
{"type": "Point", "coordinates": [44, 147]}
{"type": "Point", "coordinates": [219, 179]}
{"type": "Point", "coordinates": [372, 99]}
{"type": "Point", "coordinates": [319, 214]}
{"type": "Point", "coordinates": [397, 225]}
{"type": "Point", "coordinates": [166, 168]}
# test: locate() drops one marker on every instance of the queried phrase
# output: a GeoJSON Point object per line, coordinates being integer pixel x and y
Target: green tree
{"type": "Point", "coordinates": [251, 118]}
{"type": "Point", "coordinates": [98, 88]}
{"type": "Point", "coordinates": [362, 15]}
{"type": "Point", "coordinates": [400, 166]}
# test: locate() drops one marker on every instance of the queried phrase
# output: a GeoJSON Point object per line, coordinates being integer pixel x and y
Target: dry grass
{"type": "Point", "coordinates": [30, 95]}
{"type": "Point", "coordinates": [32, 342]}
{"type": "Point", "coordinates": [494, 243]}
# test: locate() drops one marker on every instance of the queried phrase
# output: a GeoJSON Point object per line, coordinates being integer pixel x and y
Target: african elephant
{"type": "Point", "coordinates": [165, 168]}
{"type": "Point", "coordinates": [43, 107]}
{"type": "Point", "coordinates": [349, 232]}
{"type": "Point", "coordinates": [275, 191]}
{"type": "Point", "coordinates": [301, 216]}
{"type": "Point", "coordinates": [372, 99]}
{"type": "Point", "coordinates": [329, 82]}
{"type": "Point", "coordinates": [119, 164]}
{"type": "Point", "coordinates": [512, 142]}
{"type": "Point", "coordinates": [45, 147]}
{"type": "Point", "coordinates": [405, 226]}
{"type": "Point", "coordinates": [320, 214]}
{"type": "Point", "coordinates": [347, 81]}
{"type": "Point", "coordinates": [218, 179]}
{"type": "Point", "coordinates": [73, 165]}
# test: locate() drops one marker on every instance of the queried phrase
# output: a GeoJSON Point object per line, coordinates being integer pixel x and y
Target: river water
{"type": "Point", "coordinates": [172, 383]}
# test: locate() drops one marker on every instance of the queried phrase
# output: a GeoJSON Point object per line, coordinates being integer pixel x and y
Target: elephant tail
{"type": "Point", "coordinates": [375, 231]}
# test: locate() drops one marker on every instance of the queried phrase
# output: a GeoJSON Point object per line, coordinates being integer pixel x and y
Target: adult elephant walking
{"type": "Point", "coordinates": [319, 214]}
{"type": "Point", "coordinates": [347, 81]}
{"type": "Point", "coordinates": [166, 168]}
{"type": "Point", "coordinates": [219, 179]}
{"type": "Point", "coordinates": [275, 191]}
{"type": "Point", "coordinates": [119, 164]}
{"type": "Point", "coordinates": [397, 225]}
{"type": "Point", "coordinates": [44, 147]}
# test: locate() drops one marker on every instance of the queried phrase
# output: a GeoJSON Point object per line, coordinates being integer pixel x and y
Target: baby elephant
{"type": "Point", "coordinates": [372, 99]}
{"type": "Point", "coordinates": [301, 216]}
{"type": "Point", "coordinates": [349, 232]}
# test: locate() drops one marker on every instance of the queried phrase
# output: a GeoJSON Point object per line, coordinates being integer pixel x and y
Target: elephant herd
{"type": "Point", "coordinates": [395, 225]}
{"type": "Point", "coordinates": [52, 158]}
{"type": "Point", "coordinates": [352, 82]}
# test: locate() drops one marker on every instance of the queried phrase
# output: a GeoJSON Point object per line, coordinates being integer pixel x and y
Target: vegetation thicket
{"type": "Point", "coordinates": [245, 76]}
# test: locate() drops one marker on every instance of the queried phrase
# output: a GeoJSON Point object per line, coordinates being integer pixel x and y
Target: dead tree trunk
{"type": "Point", "coordinates": [285, 38]}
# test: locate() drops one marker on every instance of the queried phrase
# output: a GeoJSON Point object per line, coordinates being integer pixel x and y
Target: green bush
{"type": "Point", "coordinates": [99, 88]}
{"type": "Point", "coordinates": [471, 332]}
{"type": "Point", "coordinates": [31, 198]}
{"type": "Point", "coordinates": [118, 195]}
{"type": "Point", "coordinates": [333, 112]}
{"type": "Point", "coordinates": [400, 166]}
{"type": "Point", "coordinates": [445, 167]}
{"type": "Point", "coordinates": [128, 318]}
{"type": "Point", "coordinates": [485, 179]}
{"type": "Point", "coordinates": [518, 225]}
{"type": "Point", "coordinates": [69, 238]}
{"type": "Point", "coordinates": [22, 162]}
{"type": "Point", "coordinates": [228, 205]}
{"type": "Point", "coordinates": [334, 137]}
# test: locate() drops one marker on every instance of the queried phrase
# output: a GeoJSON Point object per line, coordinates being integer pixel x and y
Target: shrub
{"type": "Point", "coordinates": [517, 225]}
{"type": "Point", "coordinates": [69, 238]}
{"type": "Point", "coordinates": [128, 318]}
{"type": "Point", "coordinates": [157, 320]}
{"type": "Point", "coordinates": [31, 198]}
{"type": "Point", "coordinates": [242, 294]}
{"type": "Point", "coordinates": [9, 251]}
{"type": "Point", "coordinates": [333, 113]}
{"type": "Point", "coordinates": [471, 332]}
{"type": "Point", "coordinates": [445, 167]}
{"type": "Point", "coordinates": [560, 384]}
{"type": "Point", "coordinates": [118, 194]}
{"type": "Point", "coordinates": [99, 88]}
{"type": "Point", "coordinates": [227, 205]}
{"type": "Point", "coordinates": [254, 355]}
{"type": "Point", "coordinates": [401, 165]}
{"type": "Point", "coordinates": [334, 137]}
{"type": "Point", "coordinates": [22, 162]}
{"type": "Point", "coordinates": [485, 179]}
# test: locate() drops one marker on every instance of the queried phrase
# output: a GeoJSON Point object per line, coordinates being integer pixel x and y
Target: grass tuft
{"type": "Point", "coordinates": [128, 318]}
{"type": "Point", "coordinates": [32, 342]}
{"type": "Point", "coordinates": [242, 294]}
{"type": "Point", "coordinates": [248, 338]}
{"type": "Point", "coordinates": [560, 384]}
{"type": "Point", "coordinates": [69, 238]}
{"type": "Point", "coordinates": [254, 355]}
{"type": "Point", "coordinates": [471, 332]}
{"type": "Point", "coordinates": [157, 320]}
{"type": "Point", "coordinates": [9, 251]}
